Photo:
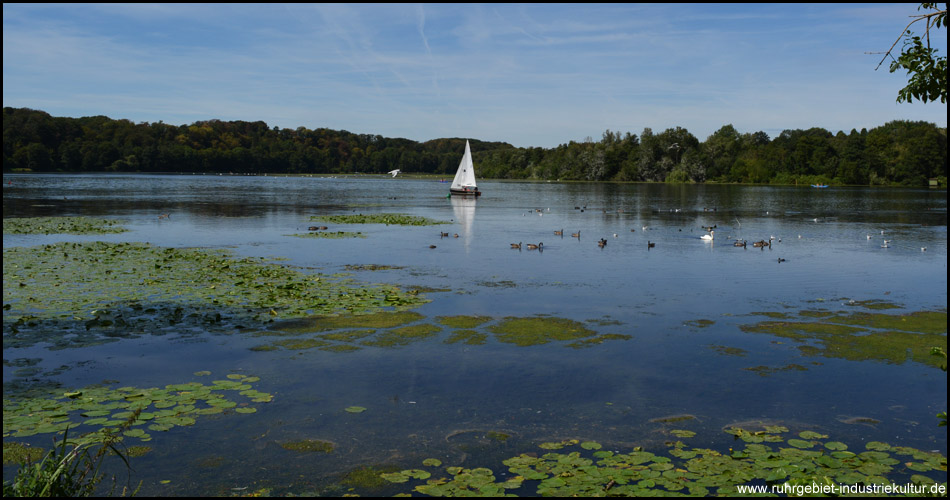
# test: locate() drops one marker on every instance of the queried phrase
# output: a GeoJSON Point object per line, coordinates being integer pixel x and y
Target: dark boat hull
{"type": "Point", "coordinates": [461, 192]}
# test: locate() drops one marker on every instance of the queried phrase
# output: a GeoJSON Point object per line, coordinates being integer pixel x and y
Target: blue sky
{"type": "Point", "coordinates": [530, 75]}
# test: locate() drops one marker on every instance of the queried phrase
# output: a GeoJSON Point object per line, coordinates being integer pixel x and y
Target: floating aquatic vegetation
{"type": "Point", "coordinates": [376, 320]}
{"type": "Point", "coordinates": [845, 419]}
{"type": "Point", "coordinates": [264, 348]}
{"type": "Point", "coordinates": [463, 321]}
{"type": "Point", "coordinates": [61, 225]}
{"type": "Point", "coordinates": [393, 329]}
{"type": "Point", "coordinates": [348, 335]}
{"type": "Point", "coordinates": [354, 409]}
{"type": "Point", "coordinates": [468, 337]}
{"type": "Point", "coordinates": [682, 433]}
{"type": "Point", "coordinates": [369, 477]}
{"type": "Point", "coordinates": [599, 339]}
{"type": "Point", "coordinates": [17, 453]}
{"type": "Point", "coordinates": [872, 304]}
{"type": "Point", "coordinates": [497, 436]}
{"type": "Point", "coordinates": [479, 440]}
{"type": "Point", "coordinates": [301, 344]}
{"type": "Point", "coordinates": [137, 451]}
{"type": "Point", "coordinates": [815, 313]}
{"type": "Point", "coordinates": [79, 294]}
{"type": "Point", "coordinates": [371, 267]}
{"type": "Point", "coordinates": [154, 409]}
{"type": "Point", "coordinates": [330, 235]}
{"type": "Point", "coordinates": [497, 284]}
{"type": "Point", "coordinates": [382, 218]}
{"type": "Point", "coordinates": [592, 471]}
{"type": "Point", "coordinates": [700, 323]}
{"type": "Point", "coordinates": [928, 322]}
{"type": "Point", "coordinates": [405, 475]}
{"type": "Point", "coordinates": [403, 336]}
{"type": "Point", "coordinates": [670, 419]}
{"type": "Point", "coordinates": [426, 289]}
{"type": "Point", "coordinates": [340, 348]}
{"type": "Point", "coordinates": [538, 330]}
{"type": "Point", "coordinates": [860, 336]}
{"type": "Point", "coordinates": [309, 446]}
{"type": "Point", "coordinates": [604, 322]}
{"type": "Point", "coordinates": [772, 314]}
{"type": "Point", "coordinates": [728, 351]}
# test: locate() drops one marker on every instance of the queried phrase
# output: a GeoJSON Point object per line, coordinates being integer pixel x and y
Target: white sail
{"type": "Point", "coordinates": [465, 176]}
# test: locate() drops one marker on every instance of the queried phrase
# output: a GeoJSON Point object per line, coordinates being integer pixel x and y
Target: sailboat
{"type": "Point", "coordinates": [464, 183]}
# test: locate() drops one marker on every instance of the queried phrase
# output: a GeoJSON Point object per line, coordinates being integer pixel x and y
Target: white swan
{"type": "Point", "coordinates": [709, 237]}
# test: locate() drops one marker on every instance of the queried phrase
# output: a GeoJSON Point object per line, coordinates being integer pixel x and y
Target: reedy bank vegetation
{"type": "Point", "coordinates": [896, 153]}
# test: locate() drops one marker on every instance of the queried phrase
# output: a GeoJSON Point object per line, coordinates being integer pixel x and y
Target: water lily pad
{"type": "Point", "coordinates": [801, 443]}
{"type": "Point", "coordinates": [682, 433]}
{"type": "Point", "coordinates": [877, 446]}
{"type": "Point", "coordinates": [354, 409]}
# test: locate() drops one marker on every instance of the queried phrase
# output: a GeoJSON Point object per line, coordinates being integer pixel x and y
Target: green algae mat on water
{"type": "Point", "coordinates": [860, 336]}
{"type": "Point", "coordinates": [593, 471]}
{"type": "Point", "coordinates": [61, 225]}
{"type": "Point", "coordinates": [331, 235]}
{"type": "Point", "coordinates": [77, 294]}
{"type": "Point", "coordinates": [383, 218]}
{"type": "Point", "coordinates": [390, 329]}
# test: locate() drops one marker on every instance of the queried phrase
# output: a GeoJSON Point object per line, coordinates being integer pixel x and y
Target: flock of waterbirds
{"type": "Point", "coordinates": [602, 242]}
{"type": "Point", "coordinates": [709, 236]}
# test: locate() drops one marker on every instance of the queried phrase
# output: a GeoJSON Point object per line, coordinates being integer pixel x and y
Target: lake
{"type": "Point", "coordinates": [689, 333]}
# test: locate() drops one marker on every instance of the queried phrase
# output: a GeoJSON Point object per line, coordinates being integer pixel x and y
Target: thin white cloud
{"type": "Point", "coordinates": [525, 74]}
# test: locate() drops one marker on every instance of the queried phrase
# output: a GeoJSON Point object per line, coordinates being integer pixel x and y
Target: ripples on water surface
{"type": "Point", "coordinates": [675, 301]}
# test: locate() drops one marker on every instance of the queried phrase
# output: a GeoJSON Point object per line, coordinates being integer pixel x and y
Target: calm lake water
{"type": "Point", "coordinates": [677, 301]}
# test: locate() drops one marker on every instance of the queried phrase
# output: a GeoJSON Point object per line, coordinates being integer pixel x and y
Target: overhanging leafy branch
{"type": "Point", "coordinates": [927, 71]}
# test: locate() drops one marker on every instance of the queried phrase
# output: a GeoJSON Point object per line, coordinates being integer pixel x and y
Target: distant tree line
{"type": "Point", "coordinates": [896, 153]}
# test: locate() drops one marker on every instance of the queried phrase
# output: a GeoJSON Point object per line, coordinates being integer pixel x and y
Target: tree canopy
{"type": "Point", "coordinates": [896, 153]}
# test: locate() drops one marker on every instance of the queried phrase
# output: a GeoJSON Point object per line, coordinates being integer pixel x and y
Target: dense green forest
{"type": "Point", "coordinates": [896, 153]}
